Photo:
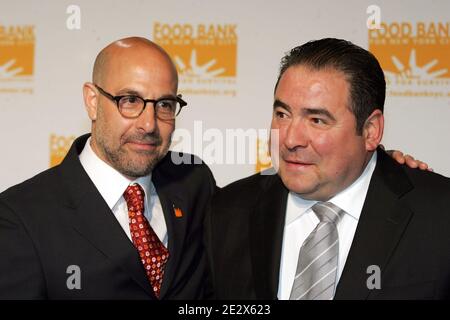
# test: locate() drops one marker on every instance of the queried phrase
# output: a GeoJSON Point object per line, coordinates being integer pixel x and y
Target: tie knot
{"type": "Point", "coordinates": [328, 212]}
{"type": "Point", "coordinates": [134, 196]}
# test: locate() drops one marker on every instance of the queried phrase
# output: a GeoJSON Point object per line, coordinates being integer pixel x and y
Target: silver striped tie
{"type": "Point", "coordinates": [315, 278]}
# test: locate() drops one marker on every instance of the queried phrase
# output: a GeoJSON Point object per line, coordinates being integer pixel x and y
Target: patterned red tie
{"type": "Point", "coordinates": [151, 250]}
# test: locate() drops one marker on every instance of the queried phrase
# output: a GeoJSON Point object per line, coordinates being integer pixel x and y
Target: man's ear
{"type": "Point", "coordinates": [90, 96]}
{"type": "Point", "coordinates": [373, 130]}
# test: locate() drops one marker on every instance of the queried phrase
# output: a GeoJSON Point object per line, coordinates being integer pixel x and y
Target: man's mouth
{"type": "Point", "coordinates": [141, 145]}
{"type": "Point", "coordinates": [297, 164]}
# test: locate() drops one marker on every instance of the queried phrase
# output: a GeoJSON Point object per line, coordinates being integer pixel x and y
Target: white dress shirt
{"type": "Point", "coordinates": [301, 221]}
{"type": "Point", "coordinates": [112, 184]}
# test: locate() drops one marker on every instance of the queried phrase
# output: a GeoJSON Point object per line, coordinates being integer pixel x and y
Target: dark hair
{"type": "Point", "coordinates": [361, 68]}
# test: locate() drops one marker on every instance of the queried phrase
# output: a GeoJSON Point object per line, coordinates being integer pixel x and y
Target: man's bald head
{"type": "Point", "coordinates": [133, 67]}
{"type": "Point", "coordinates": [132, 46]}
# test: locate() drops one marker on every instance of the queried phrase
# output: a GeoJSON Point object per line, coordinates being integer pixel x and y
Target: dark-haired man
{"type": "Point", "coordinates": [341, 219]}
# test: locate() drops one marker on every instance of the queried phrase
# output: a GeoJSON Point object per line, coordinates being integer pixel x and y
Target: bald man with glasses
{"type": "Point", "coordinates": [117, 219]}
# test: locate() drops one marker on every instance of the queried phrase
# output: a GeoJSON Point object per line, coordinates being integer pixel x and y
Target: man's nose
{"type": "Point", "coordinates": [147, 119]}
{"type": "Point", "coordinates": [296, 135]}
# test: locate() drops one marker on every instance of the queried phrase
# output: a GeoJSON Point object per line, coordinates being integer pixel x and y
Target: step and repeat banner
{"type": "Point", "coordinates": [227, 54]}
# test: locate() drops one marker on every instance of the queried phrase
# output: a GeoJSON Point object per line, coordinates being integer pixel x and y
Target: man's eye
{"type": "Point", "coordinates": [280, 114]}
{"type": "Point", "coordinates": [166, 104]}
{"type": "Point", "coordinates": [131, 100]}
{"type": "Point", "coordinates": [318, 121]}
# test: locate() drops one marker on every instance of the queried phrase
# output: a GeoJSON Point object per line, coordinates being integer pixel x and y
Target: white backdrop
{"type": "Point", "coordinates": [47, 49]}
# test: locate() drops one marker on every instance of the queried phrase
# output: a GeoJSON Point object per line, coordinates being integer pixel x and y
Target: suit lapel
{"type": "Point", "coordinates": [266, 237]}
{"type": "Point", "coordinates": [383, 221]}
{"type": "Point", "coordinates": [94, 220]}
{"type": "Point", "coordinates": [171, 201]}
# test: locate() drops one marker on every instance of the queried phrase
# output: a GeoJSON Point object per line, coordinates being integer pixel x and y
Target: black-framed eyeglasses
{"type": "Point", "coordinates": [131, 106]}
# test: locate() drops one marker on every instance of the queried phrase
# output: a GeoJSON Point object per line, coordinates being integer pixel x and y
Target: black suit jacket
{"type": "Point", "coordinates": [404, 229]}
{"type": "Point", "coordinates": [58, 219]}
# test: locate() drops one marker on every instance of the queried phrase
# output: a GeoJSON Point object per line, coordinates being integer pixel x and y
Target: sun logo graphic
{"type": "Point", "coordinates": [204, 54]}
{"type": "Point", "coordinates": [16, 57]}
{"type": "Point", "coordinates": [414, 57]}
{"type": "Point", "coordinates": [194, 69]}
{"type": "Point", "coordinates": [413, 71]}
{"type": "Point", "coordinates": [59, 146]}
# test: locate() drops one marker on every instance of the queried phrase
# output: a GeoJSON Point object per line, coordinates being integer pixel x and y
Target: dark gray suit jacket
{"type": "Point", "coordinates": [404, 229]}
{"type": "Point", "coordinates": [58, 219]}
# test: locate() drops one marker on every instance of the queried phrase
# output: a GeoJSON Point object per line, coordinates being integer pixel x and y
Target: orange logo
{"type": "Point", "coordinates": [16, 57]}
{"type": "Point", "coordinates": [263, 160]}
{"type": "Point", "coordinates": [205, 55]}
{"type": "Point", "coordinates": [414, 57]}
{"type": "Point", "coordinates": [178, 212]}
{"type": "Point", "coordinates": [59, 145]}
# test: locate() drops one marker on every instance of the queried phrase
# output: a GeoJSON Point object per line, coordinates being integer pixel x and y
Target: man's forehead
{"type": "Point", "coordinates": [313, 95]}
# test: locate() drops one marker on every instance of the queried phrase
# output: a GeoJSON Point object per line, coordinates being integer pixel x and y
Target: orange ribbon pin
{"type": "Point", "coordinates": [178, 212]}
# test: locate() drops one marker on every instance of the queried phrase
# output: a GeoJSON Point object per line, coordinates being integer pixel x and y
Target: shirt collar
{"type": "Point", "coordinates": [109, 182]}
{"type": "Point", "coordinates": [351, 200]}
{"type": "Point", "coordinates": [296, 207]}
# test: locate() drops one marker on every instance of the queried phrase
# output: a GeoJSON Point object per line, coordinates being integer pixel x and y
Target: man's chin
{"type": "Point", "coordinates": [136, 172]}
{"type": "Point", "coordinates": [300, 186]}
{"type": "Point", "coordinates": [136, 169]}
